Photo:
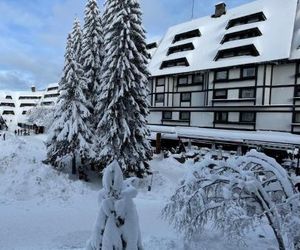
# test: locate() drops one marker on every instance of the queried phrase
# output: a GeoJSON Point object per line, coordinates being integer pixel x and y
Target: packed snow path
{"type": "Point", "coordinates": [43, 210]}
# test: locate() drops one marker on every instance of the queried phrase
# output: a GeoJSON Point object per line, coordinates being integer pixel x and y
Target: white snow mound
{"type": "Point", "coordinates": [23, 176]}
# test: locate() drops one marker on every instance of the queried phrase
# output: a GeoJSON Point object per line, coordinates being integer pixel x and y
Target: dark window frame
{"type": "Point", "coordinates": [183, 77]}
{"type": "Point", "coordinates": [8, 112]}
{"type": "Point", "coordinates": [218, 97]}
{"type": "Point", "coordinates": [246, 19]}
{"type": "Point", "coordinates": [159, 85]}
{"type": "Point", "coordinates": [180, 48]}
{"type": "Point", "coordinates": [245, 50]}
{"type": "Point", "coordinates": [221, 121]}
{"type": "Point", "coordinates": [8, 97]}
{"type": "Point", "coordinates": [297, 91]}
{"type": "Point", "coordinates": [239, 35]}
{"type": "Point", "coordinates": [248, 67]}
{"type": "Point", "coordinates": [175, 63]}
{"type": "Point", "coordinates": [22, 105]}
{"type": "Point", "coordinates": [221, 79]}
{"type": "Point", "coordinates": [168, 117]}
{"type": "Point", "coordinates": [186, 35]}
{"type": "Point", "coordinates": [194, 76]}
{"type": "Point", "coordinates": [245, 112]}
{"type": "Point", "coordinates": [156, 97]}
{"type": "Point", "coordinates": [181, 115]}
{"type": "Point", "coordinates": [247, 88]}
{"type": "Point", "coordinates": [295, 119]}
{"type": "Point", "coordinates": [52, 88]}
{"type": "Point", "coordinates": [185, 93]}
{"type": "Point", "coordinates": [151, 45]}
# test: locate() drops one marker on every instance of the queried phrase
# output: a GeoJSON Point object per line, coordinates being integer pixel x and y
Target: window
{"type": "Point", "coordinates": [8, 112]}
{"type": "Point", "coordinates": [297, 117]}
{"type": "Point", "coordinates": [197, 78]}
{"type": "Point", "coordinates": [256, 17]}
{"type": "Point", "coordinates": [244, 34]}
{"type": "Point", "coordinates": [221, 75]}
{"type": "Point", "coordinates": [47, 103]}
{"type": "Point", "coordinates": [8, 97]}
{"type": "Point", "coordinates": [27, 105]}
{"type": "Point", "coordinates": [221, 117]}
{"type": "Point", "coordinates": [52, 88]}
{"type": "Point", "coordinates": [51, 95]}
{"type": "Point", "coordinates": [184, 116]}
{"type": "Point", "coordinates": [29, 97]}
{"type": "Point", "coordinates": [159, 98]}
{"type": "Point", "coordinates": [180, 48]}
{"type": "Point", "coordinates": [7, 104]}
{"type": "Point", "coordinates": [248, 72]}
{"type": "Point", "coordinates": [247, 93]}
{"type": "Point", "coordinates": [167, 115]}
{"type": "Point", "coordinates": [176, 62]}
{"type": "Point", "coordinates": [185, 97]}
{"type": "Point", "coordinates": [24, 112]}
{"type": "Point", "coordinates": [220, 94]}
{"type": "Point", "coordinates": [182, 80]}
{"type": "Point", "coordinates": [187, 35]}
{"type": "Point", "coordinates": [297, 91]}
{"type": "Point", "coordinates": [247, 117]}
{"type": "Point", "coordinates": [247, 50]}
{"type": "Point", "coordinates": [151, 46]}
{"type": "Point", "coordinates": [160, 81]}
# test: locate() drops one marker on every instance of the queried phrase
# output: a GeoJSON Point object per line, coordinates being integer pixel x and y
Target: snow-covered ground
{"type": "Point", "coordinates": [43, 209]}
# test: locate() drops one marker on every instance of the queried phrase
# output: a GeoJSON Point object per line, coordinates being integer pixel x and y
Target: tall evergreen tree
{"type": "Point", "coordinates": [123, 104]}
{"type": "Point", "coordinates": [77, 40]}
{"type": "Point", "coordinates": [92, 48]}
{"type": "Point", "coordinates": [70, 135]}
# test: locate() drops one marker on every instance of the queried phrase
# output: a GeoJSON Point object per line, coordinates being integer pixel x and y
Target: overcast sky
{"type": "Point", "coordinates": [33, 34]}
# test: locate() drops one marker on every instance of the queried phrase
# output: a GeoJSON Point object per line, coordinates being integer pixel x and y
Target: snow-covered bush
{"type": "Point", "coordinates": [41, 116]}
{"type": "Point", "coordinates": [233, 195]}
{"type": "Point", "coordinates": [117, 225]}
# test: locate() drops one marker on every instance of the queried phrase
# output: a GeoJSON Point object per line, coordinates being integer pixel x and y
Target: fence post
{"type": "Point", "coordinates": [158, 143]}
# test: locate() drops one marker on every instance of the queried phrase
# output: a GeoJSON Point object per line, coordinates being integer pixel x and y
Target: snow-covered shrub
{"type": "Point", "coordinates": [233, 195]}
{"type": "Point", "coordinates": [117, 225]}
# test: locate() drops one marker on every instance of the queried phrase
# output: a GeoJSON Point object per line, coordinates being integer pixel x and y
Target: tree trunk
{"type": "Point", "coordinates": [74, 170]}
{"type": "Point", "coordinates": [158, 143]}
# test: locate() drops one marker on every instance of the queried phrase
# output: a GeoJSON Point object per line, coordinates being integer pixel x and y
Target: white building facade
{"type": "Point", "coordinates": [238, 69]}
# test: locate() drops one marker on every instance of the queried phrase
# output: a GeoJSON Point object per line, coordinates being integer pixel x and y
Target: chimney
{"type": "Point", "coordinates": [220, 10]}
{"type": "Point", "coordinates": [33, 89]}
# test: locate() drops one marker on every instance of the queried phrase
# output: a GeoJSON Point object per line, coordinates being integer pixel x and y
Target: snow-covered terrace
{"type": "Point", "coordinates": [266, 138]}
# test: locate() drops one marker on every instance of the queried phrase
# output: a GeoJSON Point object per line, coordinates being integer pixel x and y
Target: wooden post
{"type": "Point", "coordinates": [158, 143]}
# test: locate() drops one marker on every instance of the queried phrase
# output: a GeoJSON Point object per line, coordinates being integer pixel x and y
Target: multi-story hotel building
{"type": "Point", "coordinates": [237, 69]}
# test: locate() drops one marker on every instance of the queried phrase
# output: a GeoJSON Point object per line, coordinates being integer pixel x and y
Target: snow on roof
{"type": "Point", "coordinates": [274, 43]}
{"type": "Point", "coordinates": [228, 135]}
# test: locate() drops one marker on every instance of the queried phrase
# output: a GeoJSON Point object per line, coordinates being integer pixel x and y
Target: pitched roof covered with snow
{"type": "Point", "coordinates": [264, 28]}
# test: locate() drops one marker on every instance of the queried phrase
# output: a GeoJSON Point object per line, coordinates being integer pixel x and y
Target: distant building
{"type": "Point", "coordinates": [15, 104]}
{"type": "Point", "coordinates": [238, 69]}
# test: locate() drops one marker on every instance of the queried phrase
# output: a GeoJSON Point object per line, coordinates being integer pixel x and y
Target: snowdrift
{"type": "Point", "coordinates": [23, 176]}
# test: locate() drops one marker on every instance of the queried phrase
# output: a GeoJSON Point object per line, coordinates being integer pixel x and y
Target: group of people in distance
{"type": "Point", "coordinates": [22, 132]}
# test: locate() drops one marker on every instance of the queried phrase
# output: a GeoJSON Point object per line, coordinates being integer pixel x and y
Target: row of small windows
{"type": "Point", "coordinates": [174, 63]}
{"type": "Point", "coordinates": [7, 104]}
{"type": "Point", "coordinates": [253, 18]}
{"type": "Point", "coordinates": [51, 95]}
{"type": "Point", "coordinates": [27, 105]}
{"type": "Point", "coordinates": [151, 46]}
{"type": "Point", "coordinates": [244, 93]}
{"type": "Point", "coordinates": [183, 115]}
{"type": "Point", "coordinates": [244, 34]}
{"type": "Point", "coordinates": [219, 117]}
{"type": "Point", "coordinates": [8, 112]}
{"type": "Point", "coordinates": [245, 73]}
{"type": "Point", "coordinates": [30, 97]}
{"type": "Point", "coordinates": [47, 103]}
{"type": "Point", "coordinates": [247, 50]}
{"type": "Point", "coordinates": [180, 48]}
{"type": "Point", "coordinates": [245, 117]}
{"type": "Point", "coordinates": [184, 97]}
{"type": "Point", "coordinates": [187, 35]}
{"type": "Point", "coordinates": [52, 88]}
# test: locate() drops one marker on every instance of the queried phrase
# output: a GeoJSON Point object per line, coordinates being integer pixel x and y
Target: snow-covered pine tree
{"type": "Point", "coordinates": [2, 123]}
{"type": "Point", "coordinates": [123, 106]}
{"type": "Point", "coordinates": [70, 136]}
{"type": "Point", "coordinates": [92, 49]}
{"type": "Point", "coordinates": [77, 41]}
{"type": "Point", "coordinates": [117, 225]}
